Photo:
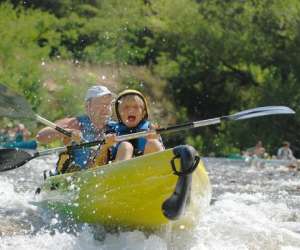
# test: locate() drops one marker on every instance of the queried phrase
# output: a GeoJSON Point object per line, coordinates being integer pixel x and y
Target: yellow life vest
{"type": "Point", "coordinates": [65, 163]}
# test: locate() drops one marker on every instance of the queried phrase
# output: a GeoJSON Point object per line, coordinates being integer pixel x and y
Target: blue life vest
{"type": "Point", "coordinates": [89, 133]}
{"type": "Point", "coordinates": [138, 144]}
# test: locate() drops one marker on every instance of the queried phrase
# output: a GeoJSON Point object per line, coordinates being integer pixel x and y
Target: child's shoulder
{"type": "Point", "coordinates": [112, 124]}
{"type": "Point", "coordinates": [120, 126]}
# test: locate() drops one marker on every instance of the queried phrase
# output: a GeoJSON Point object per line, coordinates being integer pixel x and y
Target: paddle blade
{"type": "Point", "coordinates": [13, 105]}
{"type": "Point", "coordinates": [11, 158]}
{"type": "Point", "coordinates": [261, 111]}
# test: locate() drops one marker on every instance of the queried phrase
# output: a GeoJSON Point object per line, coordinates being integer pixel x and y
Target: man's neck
{"type": "Point", "coordinates": [100, 125]}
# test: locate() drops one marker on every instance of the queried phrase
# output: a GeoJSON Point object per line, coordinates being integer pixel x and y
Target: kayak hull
{"type": "Point", "coordinates": [132, 194]}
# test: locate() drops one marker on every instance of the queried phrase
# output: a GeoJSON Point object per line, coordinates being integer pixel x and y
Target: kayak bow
{"type": "Point", "coordinates": [145, 192]}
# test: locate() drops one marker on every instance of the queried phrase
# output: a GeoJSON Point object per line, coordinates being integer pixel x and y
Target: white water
{"type": "Point", "coordinates": [253, 208]}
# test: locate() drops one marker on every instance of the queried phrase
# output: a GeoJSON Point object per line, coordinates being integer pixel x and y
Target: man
{"type": "Point", "coordinates": [257, 151]}
{"type": "Point", "coordinates": [94, 125]}
{"type": "Point", "coordinates": [285, 152]}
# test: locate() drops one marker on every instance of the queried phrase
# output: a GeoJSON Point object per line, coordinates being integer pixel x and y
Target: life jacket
{"type": "Point", "coordinates": [78, 159]}
{"type": "Point", "coordinates": [19, 136]}
{"type": "Point", "coordinates": [138, 144]}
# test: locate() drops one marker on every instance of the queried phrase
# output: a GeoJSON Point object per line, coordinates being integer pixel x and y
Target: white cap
{"type": "Point", "coordinates": [95, 91]}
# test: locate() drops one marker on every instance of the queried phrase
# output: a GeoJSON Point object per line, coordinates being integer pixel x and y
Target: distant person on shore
{"type": "Point", "coordinates": [17, 137]}
{"type": "Point", "coordinates": [285, 152]}
{"type": "Point", "coordinates": [257, 151]}
{"type": "Point", "coordinates": [14, 134]}
{"type": "Point", "coordinates": [21, 133]}
{"type": "Point", "coordinates": [4, 136]}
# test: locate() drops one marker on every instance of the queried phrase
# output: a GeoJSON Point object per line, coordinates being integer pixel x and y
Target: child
{"type": "Point", "coordinates": [132, 112]}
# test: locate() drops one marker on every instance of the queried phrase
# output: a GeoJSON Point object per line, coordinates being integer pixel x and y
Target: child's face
{"type": "Point", "coordinates": [131, 109]}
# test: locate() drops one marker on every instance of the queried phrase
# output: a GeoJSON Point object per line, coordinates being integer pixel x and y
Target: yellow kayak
{"type": "Point", "coordinates": [145, 192]}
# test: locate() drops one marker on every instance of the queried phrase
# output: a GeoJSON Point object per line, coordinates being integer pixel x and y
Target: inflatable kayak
{"type": "Point", "coordinates": [261, 162]}
{"type": "Point", "coordinates": [145, 192]}
{"type": "Point", "coordinates": [272, 162]}
{"type": "Point", "coordinates": [30, 144]}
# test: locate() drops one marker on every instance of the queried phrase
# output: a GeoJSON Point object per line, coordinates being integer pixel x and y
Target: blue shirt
{"type": "Point", "coordinates": [89, 133]}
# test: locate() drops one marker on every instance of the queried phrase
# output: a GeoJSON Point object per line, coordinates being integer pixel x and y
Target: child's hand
{"type": "Point", "coordinates": [152, 135]}
{"type": "Point", "coordinates": [110, 139]}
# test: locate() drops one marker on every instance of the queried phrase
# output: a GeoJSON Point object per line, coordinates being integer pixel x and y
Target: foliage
{"type": "Point", "coordinates": [199, 59]}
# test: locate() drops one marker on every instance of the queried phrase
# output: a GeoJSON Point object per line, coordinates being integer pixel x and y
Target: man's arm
{"type": "Point", "coordinates": [48, 135]}
{"type": "Point", "coordinates": [291, 155]}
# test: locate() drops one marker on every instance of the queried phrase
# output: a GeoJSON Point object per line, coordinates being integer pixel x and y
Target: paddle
{"type": "Point", "coordinates": [247, 114]}
{"type": "Point", "coordinates": [15, 106]}
{"type": "Point", "coordinates": [14, 158]}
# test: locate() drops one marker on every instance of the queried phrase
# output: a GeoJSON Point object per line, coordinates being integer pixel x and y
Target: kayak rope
{"type": "Point", "coordinates": [184, 172]}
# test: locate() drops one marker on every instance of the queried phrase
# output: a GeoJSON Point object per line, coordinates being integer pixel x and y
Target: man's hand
{"type": "Point", "coordinates": [76, 136]}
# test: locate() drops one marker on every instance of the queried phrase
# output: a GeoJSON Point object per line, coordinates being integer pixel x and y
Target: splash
{"type": "Point", "coordinates": [253, 208]}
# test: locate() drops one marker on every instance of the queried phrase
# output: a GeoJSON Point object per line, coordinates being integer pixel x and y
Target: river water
{"type": "Point", "coordinates": [253, 207]}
